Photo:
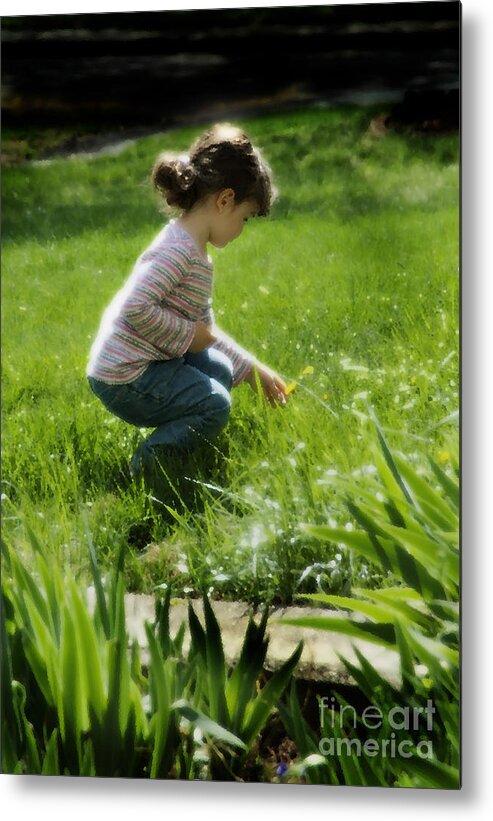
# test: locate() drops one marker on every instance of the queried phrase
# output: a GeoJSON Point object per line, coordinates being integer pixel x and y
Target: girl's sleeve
{"type": "Point", "coordinates": [241, 360]}
{"type": "Point", "coordinates": [143, 309]}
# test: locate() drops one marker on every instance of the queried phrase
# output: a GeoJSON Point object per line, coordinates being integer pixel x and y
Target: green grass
{"type": "Point", "coordinates": [355, 275]}
{"type": "Point", "coordinates": [21, 144]}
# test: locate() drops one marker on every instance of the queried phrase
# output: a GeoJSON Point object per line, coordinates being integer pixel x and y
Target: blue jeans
{"type": "Point", "coordinates": [187, 400]}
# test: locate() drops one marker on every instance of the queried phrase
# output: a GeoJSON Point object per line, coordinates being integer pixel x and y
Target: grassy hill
{"type": "Point", "coordinates": [350, 289]}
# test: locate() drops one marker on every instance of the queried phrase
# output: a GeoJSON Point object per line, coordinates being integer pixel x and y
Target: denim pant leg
{"type": "Point", "coordinates": [213, 363]}
{"type": "Point", "coordinates": [186, 405]}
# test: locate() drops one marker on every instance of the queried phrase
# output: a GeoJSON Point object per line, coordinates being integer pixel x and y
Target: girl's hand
{"type": "Point", "coordinates": [203, 337]}
{"type": "Point", "coordinates": [273, 386]}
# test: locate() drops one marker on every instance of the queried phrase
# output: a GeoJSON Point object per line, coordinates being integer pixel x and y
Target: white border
{"type": "Point", "coordinates": [62, 798]}
{"type": "Point", "coordinates": [11, 7]}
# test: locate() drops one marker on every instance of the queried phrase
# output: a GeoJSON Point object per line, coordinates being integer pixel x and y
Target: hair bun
{"type": "Point", "coordinates": [173, 177]}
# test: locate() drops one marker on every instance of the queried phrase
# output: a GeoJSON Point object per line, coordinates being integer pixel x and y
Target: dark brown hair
{"type": "Point", "coordinates": [223, 157]}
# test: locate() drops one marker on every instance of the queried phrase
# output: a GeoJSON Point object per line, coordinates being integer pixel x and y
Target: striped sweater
{"type": "Point", "coordinates": [153, 316]}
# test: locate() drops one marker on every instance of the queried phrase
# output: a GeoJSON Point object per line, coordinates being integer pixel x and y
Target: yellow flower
{"type": "Point", "coordinates": [326, 396]}
{"type": "Point", "coordinates": [308, 370]}
{"type": "Point", "coordinates": [412, 381]}
{"type": "Point", "coordinates": [444, 456]}
{"type": "Point", "coordinates": [290, 387]}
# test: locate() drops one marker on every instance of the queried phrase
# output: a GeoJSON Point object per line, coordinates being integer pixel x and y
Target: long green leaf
{"type": "Point", "coordinates": [44, 655]}
{"type": "Point", "coordinates": [90, 652]}
{"type": "Point", "coordinates": [392, 465]}
{"type": "Point", "coordinates": [357, 540]}
{"type": "Point", "coordinates": [240, 687]}
{"type": "Point", "coordinates": [30, 747]}
{"type": "Point", "coordinates": [431, 650]}
{"type": "Point", "coordinates": [162, 605]}
{"type": "Point", "coordinates": [197, 636]}
{"type": "Point", "coordinates": [261, 708]}
{"type": "Point", "coordinates": [207, 726]}
{"type": "Point", "coordinates": [425, 491]}
{"type": "Point", "coordinates": [216, 666]}
{"type": "Point", "coordinates": [380, 613]}
{"type": "Point", "coordinates": [450, 487]}
{"type": "Point", "coordinates": [399, 606]}
{"type": "Point", "coordinates": [383, 634]}
{"type": "Point", "coordinates": [296, 726]}
{"type": "Point", "coordinates": [74, 702]}
{"type": "Point", "coordinates": [51, 762]}
{"type": "Point", "coordinates": [406, 657]}
{"type": "Point", "coordinates": [433, 773]}
{"type": "Point", "coordinates": [110, 730]}
{"type": "Point", "coordinates": [160, 721]}
{"type": "Point", "coordinates": [101, 607]}
{"type": "Point", "coordinates": [28, 591]}
{"type": "Point", "coordinates": [367, 676]}
{"type": "Point", "coordinates": [397, 560]}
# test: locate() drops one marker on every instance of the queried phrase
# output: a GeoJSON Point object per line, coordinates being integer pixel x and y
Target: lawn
{"type": "Point", "coordinates": [350, 289]}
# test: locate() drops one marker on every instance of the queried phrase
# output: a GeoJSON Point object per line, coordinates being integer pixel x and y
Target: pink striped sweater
{"type": "Point", "coordinates": [153, 316]}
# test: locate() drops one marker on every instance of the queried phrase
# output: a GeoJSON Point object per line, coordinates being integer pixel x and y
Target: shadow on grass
{"type": "Point", "coordinates": [53, 222]}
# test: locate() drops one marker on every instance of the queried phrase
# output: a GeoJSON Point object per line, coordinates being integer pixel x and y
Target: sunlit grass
{"type": "Point", "coordinates": [349, 290]}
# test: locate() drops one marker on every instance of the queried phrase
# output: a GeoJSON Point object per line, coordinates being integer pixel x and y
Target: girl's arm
{"type": "Point", "coordinates": [241, 360]}
{"type": "Point", "coordinates": [248, 369]}
{"type": "Point", "coordinates": [143, 307]}
{"type": "Point", "coordinates": [204, 336]}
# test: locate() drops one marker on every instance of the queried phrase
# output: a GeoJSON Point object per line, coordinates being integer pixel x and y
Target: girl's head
{"type": "Point", "coordinates": [222, 158]}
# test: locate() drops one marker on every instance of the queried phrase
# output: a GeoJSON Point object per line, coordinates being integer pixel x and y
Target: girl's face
{"type": "Point", "coordinates": [229, 218]}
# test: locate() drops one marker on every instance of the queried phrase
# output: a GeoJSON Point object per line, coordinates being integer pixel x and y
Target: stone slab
{"type": "Point", "coordinates": [320, 658]}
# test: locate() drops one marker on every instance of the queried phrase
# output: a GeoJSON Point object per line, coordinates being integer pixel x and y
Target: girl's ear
{"type": "Point", "coordinates": [225, 199]}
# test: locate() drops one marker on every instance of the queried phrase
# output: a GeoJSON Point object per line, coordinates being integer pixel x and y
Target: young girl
{"type": "Point", "coordinates": [159, 360]}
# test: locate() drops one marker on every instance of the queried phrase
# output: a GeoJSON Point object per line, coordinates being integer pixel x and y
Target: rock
{"type": "Point", "coordinates": [320, 658]}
